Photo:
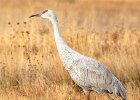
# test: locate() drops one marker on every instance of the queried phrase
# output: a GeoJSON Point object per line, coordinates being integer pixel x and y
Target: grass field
{"type": "Point", "coordinates": [30, 68]}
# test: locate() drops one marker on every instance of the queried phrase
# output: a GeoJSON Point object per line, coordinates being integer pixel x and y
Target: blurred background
{"type": "Point", "coordinates": [30, 68]}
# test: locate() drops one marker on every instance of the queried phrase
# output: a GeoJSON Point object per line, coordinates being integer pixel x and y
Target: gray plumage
{"type": "Point", "coordinates": [89, 73]}
{"type": "Point", "coordinates": [86, 72]}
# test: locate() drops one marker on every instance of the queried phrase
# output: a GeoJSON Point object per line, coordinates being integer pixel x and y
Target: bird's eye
{"type": "Point", "coordinates": [44, 11]}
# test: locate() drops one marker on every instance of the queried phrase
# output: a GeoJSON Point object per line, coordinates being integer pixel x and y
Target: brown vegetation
{"type": "Point", "coordinates": [30, 68]}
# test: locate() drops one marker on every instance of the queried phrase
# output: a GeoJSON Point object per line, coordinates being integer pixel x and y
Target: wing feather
{"type": "Point", "coordinates": [91, 74]}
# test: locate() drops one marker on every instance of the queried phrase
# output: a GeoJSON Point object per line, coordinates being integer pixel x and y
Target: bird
{"type": "Point", "coordinates": [88, 73]}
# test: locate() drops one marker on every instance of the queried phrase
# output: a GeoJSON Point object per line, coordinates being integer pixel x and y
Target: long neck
{"type": "Point", "coordinates": [57, 34]}
{"type": "Point", "coordinates": [58, 38]}
{"type": "Point", "coordinates": [66, 54]}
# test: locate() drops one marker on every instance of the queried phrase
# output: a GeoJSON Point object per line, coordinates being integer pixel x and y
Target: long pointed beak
{"type": "Point", "coordinates": [35, 15]}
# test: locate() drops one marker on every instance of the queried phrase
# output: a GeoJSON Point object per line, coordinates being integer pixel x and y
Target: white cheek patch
{"type": "Point", "coordinates": [49, 15]}
{"type": "Point", "coordinates": [43, 16]}
{"type": "Point", "coordinates": [46, 15]}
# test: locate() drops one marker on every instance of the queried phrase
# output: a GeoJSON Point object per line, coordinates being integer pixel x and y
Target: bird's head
{"type": "Point", "coordinates": [49, 14]}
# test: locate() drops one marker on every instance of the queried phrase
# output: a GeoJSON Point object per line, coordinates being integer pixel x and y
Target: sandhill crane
{"type": "Point", "coordinates": [88, 73]}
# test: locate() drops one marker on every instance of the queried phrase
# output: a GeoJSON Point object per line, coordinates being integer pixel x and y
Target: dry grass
{"type": "Point", "coordinates": [30, 68]}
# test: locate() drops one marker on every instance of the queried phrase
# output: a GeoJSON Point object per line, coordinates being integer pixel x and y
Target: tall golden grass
{"type": "Point", "coordinates": [30, 68]}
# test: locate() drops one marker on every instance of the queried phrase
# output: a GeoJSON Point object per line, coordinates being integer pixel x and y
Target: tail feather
{"type": "Point", "coordinates": [120, 90]}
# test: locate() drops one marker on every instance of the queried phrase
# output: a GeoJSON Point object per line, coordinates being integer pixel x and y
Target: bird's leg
{"type": "Point", "coordinates": [87, 95]}
{"type": "Point", "coordinates": [122, 99]}
{"type": "Point", "coordinates": [110, 97]}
